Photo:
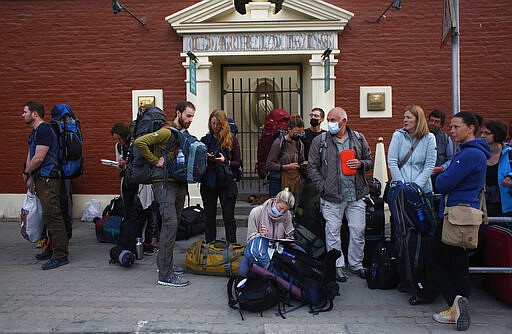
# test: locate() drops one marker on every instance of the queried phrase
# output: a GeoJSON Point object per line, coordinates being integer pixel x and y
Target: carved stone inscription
{"type": "Point", "coordinates": [260, 42]}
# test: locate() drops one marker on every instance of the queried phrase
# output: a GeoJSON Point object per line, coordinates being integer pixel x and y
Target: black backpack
{"type": "Point", "coordinates": [315, 279]}
{"type": "Point", "coordinates": [254, 294]}
{"type": "Point", "coordinates": [382, 273]}
{"type": "Point", "coordinates": [114, 208]}
{"type": "Point", "coordinates": [138, 169]}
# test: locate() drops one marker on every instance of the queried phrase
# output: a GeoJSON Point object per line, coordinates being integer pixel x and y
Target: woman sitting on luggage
{"type": "Point", "coordinates": [286, 158]}
{"type": "Point", "coordinates": [219, 182]}
{"type": "Point", "coordinates": [271, 220]}
{"type": "Point", "coordinates": [498, 181]}
{"type": "Point", "coordinates": [419, 165]}
{"type": "Point", "coordinates": [462, 182]}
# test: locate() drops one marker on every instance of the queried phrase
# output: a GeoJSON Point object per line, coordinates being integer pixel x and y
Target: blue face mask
{"type": "Point", "coordinates": [333, 128]}
{"type": "Point", "coordinates": [275, 211]}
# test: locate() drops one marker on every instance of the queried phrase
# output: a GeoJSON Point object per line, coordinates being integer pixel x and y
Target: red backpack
{"type": "Point", "coordinates": [275, 122]}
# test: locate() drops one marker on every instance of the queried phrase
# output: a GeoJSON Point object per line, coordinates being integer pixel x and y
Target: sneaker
{"type": "Point", "coordinates": [52, 264]}
{"type": "Point", "coordinates": [43, 256]}
{"type": "Point", "coordinates": [445, 317]}
{"type": "Point", "coordinates": [461, 310]}
{"type": "Point", "coordinates": [340, 275]}
{"type": "Point", "coordinates": [359, 272]}
{"type": "Point", "coordinates": [173, 280]}
{"type": "Point", "coordinates": [178, 270]}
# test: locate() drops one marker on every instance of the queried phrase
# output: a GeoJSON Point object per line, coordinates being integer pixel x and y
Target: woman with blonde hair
{"type": "Point", "coordinates": [219, 182]}
{"type": "Point", "coordinates": [271, 220]}
{"type": "Point", "coordinates": [414, 136]}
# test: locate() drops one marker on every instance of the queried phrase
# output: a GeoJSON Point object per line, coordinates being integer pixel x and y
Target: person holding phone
{"type": "Point", "coordinates": [219, 181]}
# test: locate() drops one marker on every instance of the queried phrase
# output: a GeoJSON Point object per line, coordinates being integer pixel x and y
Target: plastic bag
{"type": "Point", "coordinates": [31, 217]}
{"type": "Point", "coordinates": [91, 210]}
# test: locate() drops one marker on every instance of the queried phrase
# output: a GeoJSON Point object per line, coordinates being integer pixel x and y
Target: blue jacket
{"type": "Point", "coordinates": [420, 165]}
{"type": "Point", "coordinates": [464, 179]}
{"type": "Point", "coordinates": [505, 169]}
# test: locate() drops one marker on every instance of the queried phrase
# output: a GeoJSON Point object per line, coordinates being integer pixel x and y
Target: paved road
{"type": "Point", "coordinates": [89, 295]}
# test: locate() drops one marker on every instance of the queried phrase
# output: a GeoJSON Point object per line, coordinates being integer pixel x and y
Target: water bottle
{"type": "Point", "coordinates": [181, 157]}
{"type": "Point", "coordinates": [139, 249]}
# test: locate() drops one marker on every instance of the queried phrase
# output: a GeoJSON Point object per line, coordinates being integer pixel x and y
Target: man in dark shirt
{"type": "Point", "coordinates": [42, 170]}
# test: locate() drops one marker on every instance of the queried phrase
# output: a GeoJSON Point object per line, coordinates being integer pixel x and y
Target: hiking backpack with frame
{"type": "Point", "coordinates": [413, 225]}
{"type": "Point", "coordinates": [67, 128]}
{"type": "Point", "coordinates": [138, 169]}
{"type": "Point", "coordinates": [275, 122]}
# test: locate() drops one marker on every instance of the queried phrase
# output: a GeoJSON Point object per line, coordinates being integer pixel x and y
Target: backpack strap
{"type": "Point", "coordinates": [323, 146]}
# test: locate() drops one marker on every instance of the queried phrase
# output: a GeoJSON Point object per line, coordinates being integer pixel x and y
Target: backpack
{"type": "Point", "coordinates": [315, 279]}
{"type": "Point", "coordinates": [382, 273]}
{"type": "Point", "coordinates": [196, 157]}
{"type": "Point", "coordinates": [413, 223]}
{"type": "Point", "coordinates": [138, 169]}
{"type": "Point", "coordinates": [108, 228]}
{"type": "Point", "coordinates": [276, 121]}
{"type": "Point", "coordinates": [254, 294]}
{"type": "Point", "coordinates": [67, 128]}
{"type": "Point", "coordinates": [114, 208]}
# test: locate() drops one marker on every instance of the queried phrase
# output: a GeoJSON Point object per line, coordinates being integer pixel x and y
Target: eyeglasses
{"type": "Point", "coordinates": [314, 116]}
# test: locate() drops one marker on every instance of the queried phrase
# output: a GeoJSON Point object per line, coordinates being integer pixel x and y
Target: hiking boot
{"type": "Point", "coordinates": [445, 317]}
{"type": "Point", "coordinates": [359, 272]}
{"type": "Point", "coordinates": [461, 311]}
{"type": "Point", "coordinates": [340, 275]}
{"type": "Point", "coordinates": [43, 256]}
{"type": "Point", "coordinates": [173, 280]}
{"type": "Point", "coordinates": [53, 263]}
{"type": "Point", "coordinates": [178, 270]}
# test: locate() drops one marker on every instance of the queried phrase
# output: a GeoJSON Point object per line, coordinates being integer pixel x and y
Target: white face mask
{"type": "Point", "coordinates": [333, 128]}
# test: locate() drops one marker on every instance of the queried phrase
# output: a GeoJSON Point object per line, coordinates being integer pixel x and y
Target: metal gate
{"type": "Point", "coordinates": [249, 93]}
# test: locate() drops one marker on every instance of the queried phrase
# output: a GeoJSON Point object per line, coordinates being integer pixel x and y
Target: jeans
{"type": "Point", "coordinates": [165, 195]}
{"type": "Point", "coordinates": [274, 187]}
{"type": "Point", "coordinates": [356, 216]}
{"type": "Point", "coordinates": [48, 191]}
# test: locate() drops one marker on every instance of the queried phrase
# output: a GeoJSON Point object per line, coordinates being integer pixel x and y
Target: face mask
{"type": "Point", "coordinates": [333, 128]}
{"type": "Point", "coordinates": [296, 137]}
{"type": "Point", "coordinates": [314, 122]}
{"type": "Point", "coordinates": [275, 211]}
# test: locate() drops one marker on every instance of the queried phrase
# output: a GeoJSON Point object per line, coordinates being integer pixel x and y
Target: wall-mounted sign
{"type": "Point", "coordinates": [193, 77]}
{"type": "Point", "coordinates": [376, 101]}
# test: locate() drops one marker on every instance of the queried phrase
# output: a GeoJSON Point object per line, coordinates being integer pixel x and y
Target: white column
{"type": "Point", "coordinates": [201, 100]}
{"type": "Point", "coordinates": [319, 98]}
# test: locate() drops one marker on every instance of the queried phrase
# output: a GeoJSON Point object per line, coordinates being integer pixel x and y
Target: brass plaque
{"type": "Point", "coordinates": [376, 101]}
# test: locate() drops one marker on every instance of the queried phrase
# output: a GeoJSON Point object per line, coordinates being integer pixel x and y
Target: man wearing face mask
{"type": "Point", "coordinates": [342, 189]}
{"type": "Point", "coordinates": [316, 118]}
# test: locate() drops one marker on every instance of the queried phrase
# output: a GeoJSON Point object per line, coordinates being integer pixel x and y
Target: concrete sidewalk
{"type": "Point", "coordinates": [89, 295]}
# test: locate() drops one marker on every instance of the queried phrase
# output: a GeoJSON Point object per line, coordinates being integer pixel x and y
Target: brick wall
{"type": "Point", "coordinates": [78, 52]}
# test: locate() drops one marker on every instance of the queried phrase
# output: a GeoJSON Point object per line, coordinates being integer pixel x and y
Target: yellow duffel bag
{"type": "Point", "coordinates": [219, 258]}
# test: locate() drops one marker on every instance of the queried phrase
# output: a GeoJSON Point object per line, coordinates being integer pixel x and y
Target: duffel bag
{"type": "Point", "coordinates": [107, 228]}
{"type": "Point", "coordinates": [219, 258]}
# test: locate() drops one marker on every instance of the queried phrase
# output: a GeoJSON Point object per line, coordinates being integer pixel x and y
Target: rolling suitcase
{"type": "Point", "coordinates": [498, 253]}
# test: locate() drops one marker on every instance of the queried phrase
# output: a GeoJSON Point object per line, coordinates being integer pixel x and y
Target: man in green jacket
{"type": "Point", "coordinates": [166, 190]}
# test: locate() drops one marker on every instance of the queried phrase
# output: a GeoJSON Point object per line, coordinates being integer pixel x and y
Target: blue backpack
{"type": "Point", "coordinates": [67, 128]}
{"type": "Point", "coordinates": [196, 157]}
